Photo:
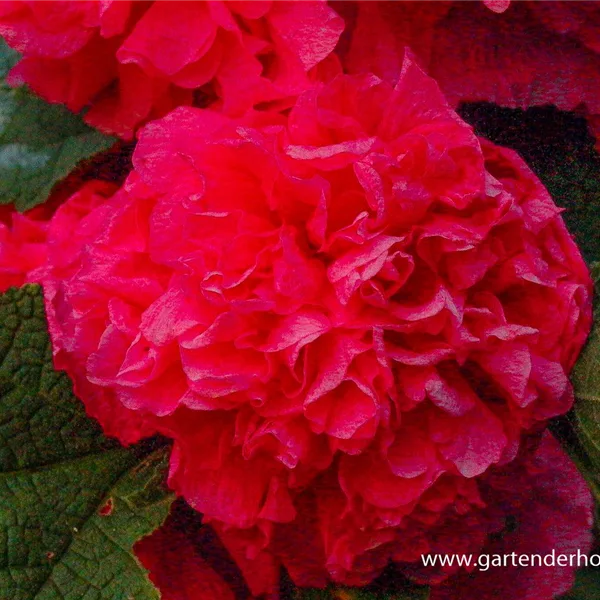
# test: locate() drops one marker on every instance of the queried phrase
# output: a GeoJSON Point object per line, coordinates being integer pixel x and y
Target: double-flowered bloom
{"type": "Point", "coordinates": [130, 61]}
{"type": "Point", "coordinates": [345, 317]}
{"type": "Point", "coordinates": [518, 54]}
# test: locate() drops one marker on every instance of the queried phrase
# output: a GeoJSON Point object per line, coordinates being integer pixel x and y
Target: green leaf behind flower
{"type": "Point", "coordinates": [586, 382]}
{"type": "Point", "coordinates": [8, 58]}
{"type": "Point", "coordinates": [586, 587]}
{"type": "Point", "coordinates": [72, 502]}
{"type": "Point", "coordinates": [559, 149]}
{"type": "Point", "coordinates": [40, 143]}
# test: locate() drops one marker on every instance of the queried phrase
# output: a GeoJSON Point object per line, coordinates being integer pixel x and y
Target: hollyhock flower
{"type": "Point", "coordinates": [536, 505]}
{"type": "Point", "coordinates": [54, 233]}
{"type": "Point", "coordinates": [517, 55]}
{"type": "Point", "coordinates": [362, 285]}
{"type": "Point", "coordinates": [133, 61]}
{"type": "Point", "coordinates": [545, 506]}
{"type": "Point", "coordinates": [25, 237]}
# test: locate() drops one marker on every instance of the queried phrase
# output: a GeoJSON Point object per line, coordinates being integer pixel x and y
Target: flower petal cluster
{"type": "Point", "coordinates": [536, 505]}
{"type": "Point", "coordinates": [352, 316]}
{"type": "Point", "coordinates": [133, 61]}
{"type": "Point", "coordinates": [518, 54]}
{"type": "Point", "coordinates": [42, 246]}
{"type": "Point", "coordinates": [25, 237]}
{"type": "Point", "coordinates": [361, 281]}
{"type": "Point", "coordinates": [360, 298]}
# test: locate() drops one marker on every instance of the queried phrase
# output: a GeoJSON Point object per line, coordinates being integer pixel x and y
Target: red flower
{"type": "Point", "coordinates": [47, 235]}
{"type": "Point", "coordinates": [24, 237]}
{"type": "Point", "coordinates": [536, 505]}
{"type": "Point", "coordinates": [134, 61]}
{"type": "Point", "coordinates": [542, 506]}
{"type": "Point", "coordinates": [532, 54]}
{"type": "Point", "coordinates": [321, 295]}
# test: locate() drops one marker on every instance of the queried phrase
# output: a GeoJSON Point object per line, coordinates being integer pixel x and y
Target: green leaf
{"type": "Point", "coordinates": [72, 503]}
{"type": "Point", "coordinates": [586, 414]}
{"type": "Point", "coordinates": [40, 143]}
{"type": "Point", "coordinates": [8, 58]}
{"type": "Point", "coordinates": [586, 587]}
